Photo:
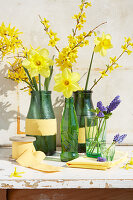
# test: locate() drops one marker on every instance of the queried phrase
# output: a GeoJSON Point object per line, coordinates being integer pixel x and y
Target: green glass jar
{"type": "Point", "coordinates": [41, 122]}
{"type": "Point", "coordinates": [83, 104]}
{"type": "Point", "coordinates": [108, 151]}
{"type": "Point", "coordinates": [95, 130]}
{"type": "Point", "coordinates": [69, 132]}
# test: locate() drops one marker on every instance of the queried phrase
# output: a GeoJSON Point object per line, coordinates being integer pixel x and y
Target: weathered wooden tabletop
{"type": "Point", "coordinates": [115, 177]}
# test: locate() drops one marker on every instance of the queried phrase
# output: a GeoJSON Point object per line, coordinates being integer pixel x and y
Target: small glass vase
{"type": "Point", "coordinates": [83, 103]}
{"type": "Point", "coordinates": [41, 122]}
{"type": "Point", "coordinates": [95, 130]}
{"type": "Point", "coordinates": [108, 151]}
{"type": "Point", "coordinates": [69, 132]}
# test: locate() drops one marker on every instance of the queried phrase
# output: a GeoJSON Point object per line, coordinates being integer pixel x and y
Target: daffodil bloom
{"type": "Point", "coordinates": [102, 44]}
{"type": "Point", "coordinates": [103, 73]}
{"type": "Point", "coordinates": [67, 82]}
{"type": "Point", "coordinates": [38, 62]}
{"type": "Point", "coordinates": [16, 174]}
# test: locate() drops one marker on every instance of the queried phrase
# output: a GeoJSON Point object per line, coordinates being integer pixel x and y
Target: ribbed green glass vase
{"type": "Point", "coordinates": [69, 132]}
{"type": "Point", "coordinates": [41, 108]}
{"type": "Point", "coordinates": [83, 104]}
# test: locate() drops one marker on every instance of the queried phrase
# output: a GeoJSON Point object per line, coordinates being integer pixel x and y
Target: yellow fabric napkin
{"type": "Point", "coordinates": [34, 160]}
{"type": "Point", "coordinates": [91, 163]}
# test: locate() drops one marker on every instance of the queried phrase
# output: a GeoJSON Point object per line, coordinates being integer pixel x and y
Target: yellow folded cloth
{"type": "Point", "coordinates": [34, 160]}
{"type": "Point", "coordinates": [91, 163]}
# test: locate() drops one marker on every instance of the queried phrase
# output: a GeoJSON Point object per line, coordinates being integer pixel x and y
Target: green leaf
{"type": "Point", "coordinates": [47, 80]}
{"type": "Point", "coordinates": [92, 110]}
{"type": "Point", "coordinates": [97, 110]}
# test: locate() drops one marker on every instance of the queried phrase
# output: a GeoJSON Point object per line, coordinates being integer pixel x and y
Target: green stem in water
{"type": "Point", "coordinates": [39, 82]}
{"type": "Point", "coordinates": [88, 76]}
{"type": "Point", "coordinates": [35, 84]}
{"type": "Point", "coordinates": [47, 80]}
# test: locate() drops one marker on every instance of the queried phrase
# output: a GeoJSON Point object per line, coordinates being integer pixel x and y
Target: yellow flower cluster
{"type": "Point", "coordinates": [126, 45]}
{"type": "Point", "coordinates": [9, 40]}
{"type": "Point", "coordinates": [66, 58]}
{"type": "Point", "coordinates": [17, 72]}
{"type": "Point", "coordinates": [53, 36]}
{"type": "Point", "coordinates": [68, 55]}
{"type": "Point", "coordinates": [80, 17]}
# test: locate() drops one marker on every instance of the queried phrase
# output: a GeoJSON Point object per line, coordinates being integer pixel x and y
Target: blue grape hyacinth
{"type": "Point", "coordinates": [113, 105]}
{"type": "Point", "coordinates": [119, 138]}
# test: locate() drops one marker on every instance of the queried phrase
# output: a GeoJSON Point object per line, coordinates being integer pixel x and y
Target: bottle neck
{"type": "Point", "coordinates": [69, 102]}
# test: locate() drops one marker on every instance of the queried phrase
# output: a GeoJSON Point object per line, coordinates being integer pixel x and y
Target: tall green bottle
{"type": "Point", "coordinates": [83, 104]}
{"type": "Point", "coordinates": [41, 109]}
{"type": "Point", "coordinates": [69, 132]}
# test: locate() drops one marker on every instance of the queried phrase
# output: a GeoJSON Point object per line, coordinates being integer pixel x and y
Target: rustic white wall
{"type": "Point", "coordinates": [24, 15]}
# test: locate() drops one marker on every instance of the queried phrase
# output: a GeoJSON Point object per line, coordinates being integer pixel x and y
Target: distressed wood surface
{"type": "Point", "coordinates": [115, 177]}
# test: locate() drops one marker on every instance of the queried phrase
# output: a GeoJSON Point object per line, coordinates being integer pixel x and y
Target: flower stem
{"type": "Point", "coordinates": [39, 82]}
{"type": "Point", "coordinates": [28, 75]}
{"type": "Point", "coordinates": [35, 84]}
{"type": "Point", "coordinates": [88, 76]}
{"type": "Point", "coordinates": [107, 69]}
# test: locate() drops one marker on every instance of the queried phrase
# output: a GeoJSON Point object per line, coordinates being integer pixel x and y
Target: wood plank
{"type": "Point", "coordinates": [2, 194]}
{"type": "Point", "coordinates": [71, 194]}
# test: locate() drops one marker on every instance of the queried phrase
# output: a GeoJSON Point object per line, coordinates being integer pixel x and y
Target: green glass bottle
{"type": "Point", "coordinates": [41, 108]}
{"type": "Point", "coordinates": [69, 132]}
{"type": "Point", "coordinates": [83, 104]}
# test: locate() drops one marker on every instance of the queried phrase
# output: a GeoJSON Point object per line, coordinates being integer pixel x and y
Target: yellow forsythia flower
{"type": "Point", "coordinates": [102, 44]}
{"type": "Point", "coordinates": [117, 66]}
{"type": "Point", "coordinates": [79, 27]}
{"type": "Point", "coordinates": [9, 39]}
{"type": "Point", "coordinates": [127, 40]}
{"type": "Point", "coordinates": [103, 73]}
{"type": "Point", "coordinates": [38, 62]}
{"type": "Point", "coordinates": [16, 174]}
{"type": "Point", "coordinates": [88, 4]}
{"type": "Point", "coordinates": [127, 167]}
{"type": "Point", "coordinates": [17, 72]}
{"type": "Point", "coordinates": [67, 82]}
{"type": "Point", "coordinates": [111, 69]}
{"type": "Point", "coordinates": [113, 60]}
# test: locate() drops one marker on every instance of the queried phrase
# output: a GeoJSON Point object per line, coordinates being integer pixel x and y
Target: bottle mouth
{"type": "Point", "coordinates": [42, 91]}
{"type": "Point", "coordinates": [83, 92]}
